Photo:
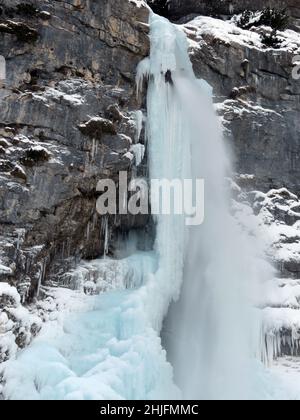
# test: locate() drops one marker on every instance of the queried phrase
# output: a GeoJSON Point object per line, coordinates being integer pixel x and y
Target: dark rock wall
{"type": "Point", "coordinates": [68, 63]}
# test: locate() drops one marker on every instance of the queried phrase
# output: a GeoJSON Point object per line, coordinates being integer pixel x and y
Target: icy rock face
{"type": "Point", "coordinates": [280, 212]}
{"type": "Point", "coordinates": [256, 95]}
{"type": "Point", "coordinates": [258, 101]}
{"type": "Point", "coordinates": [276, 216]}
{"type": "Point", "coordinates": [17, 325]}
{"type": "Point", "coordinates": [105, 275]}
{"type": "Point", "coordinates": [176, 9]}
{"type": "Point", "coordinates": [68, 119]}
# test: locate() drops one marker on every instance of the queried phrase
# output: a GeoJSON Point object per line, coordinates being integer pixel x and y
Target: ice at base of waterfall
{"type": "Point", "coordinates": [98, 347]}
{"type": "Point", "coordinates": [84, 355]}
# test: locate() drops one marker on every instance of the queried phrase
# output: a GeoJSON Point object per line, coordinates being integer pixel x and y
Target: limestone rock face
{"type": "Point", "coordinates": [67, 120]}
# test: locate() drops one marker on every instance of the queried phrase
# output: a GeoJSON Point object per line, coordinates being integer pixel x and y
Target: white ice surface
{"type": "Point", "coordinates": [86, 353]}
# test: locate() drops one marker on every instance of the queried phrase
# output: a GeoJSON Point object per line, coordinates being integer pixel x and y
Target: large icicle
{"type": "Point", "coordinates": [114, 350]}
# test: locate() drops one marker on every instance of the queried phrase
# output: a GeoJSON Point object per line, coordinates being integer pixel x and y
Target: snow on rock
{"type": "Point", "coordinates": [227, 31]}
{"type": "Point", "coordinates": [230, 109]}
{"type": "Point", "coordinates": [17, 324]}
{"type": "Point", "coordinates": [283, 318]}
{"type": "Point", "coordinates": [139, 119]}
{"type": "Point", "coordinates": [259, 91]}
{"type": "Point", "coordinates": [95, 347]}
{"type": "Point", "coordinates": [281, 329]}
{"type": "Point", "coordinates": [129, 156]}
{"type": "Point", "coordinates": [64, 96]}
{"type": "Point", "coordinates": [93, 278]}
{"type": "Point", "coordinates": [275, 216]}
